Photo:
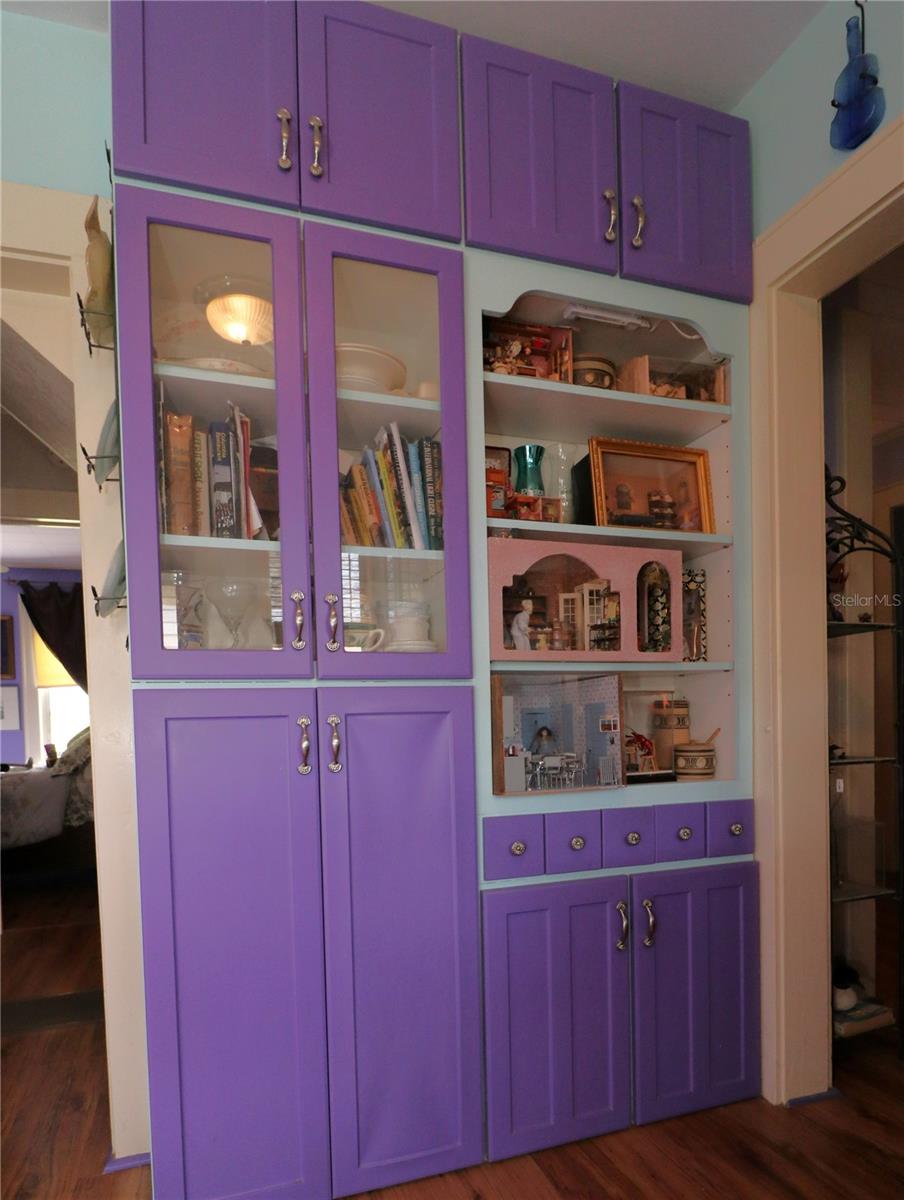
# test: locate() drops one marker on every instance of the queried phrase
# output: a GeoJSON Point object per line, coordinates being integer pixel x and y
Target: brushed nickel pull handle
{"type": "Point", "coordinates": [633, 838]}
{"type": "Point", "coordinates": [578, 843]}
{"type": "Point", "coordinates": [651, 923]}
{"type": "Point", "coordinates": [518, 848]}
{"type": "Point", "coordinates": [284, 116]}
{"type": "Point", "coordinates": [685, 833]}
{"type": "Point", "coordinates": [333, 618]}
{"type": "Point", "coordinates": [317, 125]}
{"type": "Point", "coordinates": [622, 909]}
{"type": "Point", "coordinates": [637, 240]}
{"type": "Point", "coordinates": [736, 829]}
{"type": "Point", "coordinates": [298, 642]}
{"type": "Point", "coordinates": [304, 767]}
{"type": "Point", "coordinates": [335, 743]}
{"type": "Point", "coordinates": [609, 196]}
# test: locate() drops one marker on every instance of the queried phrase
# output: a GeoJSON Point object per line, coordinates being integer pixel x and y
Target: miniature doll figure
{"type": "Point", "coordinates": [520, 626]}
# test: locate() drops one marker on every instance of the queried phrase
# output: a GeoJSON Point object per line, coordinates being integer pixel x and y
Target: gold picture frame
{"type": "Point", "coordinates": [675, 495]}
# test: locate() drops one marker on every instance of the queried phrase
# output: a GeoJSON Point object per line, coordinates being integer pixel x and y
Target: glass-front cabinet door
{"type": "Point", "coordinates": [387, 397]}
{"type": "Point", "coordinates": [213, 423]}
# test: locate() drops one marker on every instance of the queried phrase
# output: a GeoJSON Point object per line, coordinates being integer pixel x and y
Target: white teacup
{"type": "Point", "coordinates": [362, 637]}
{"type": "Point", "coordinates": [428, 390]}
{"type": "Point", "coordinates": [409, 629]}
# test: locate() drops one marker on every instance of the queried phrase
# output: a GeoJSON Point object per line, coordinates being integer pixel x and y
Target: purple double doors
{"type": "Point", "coordinates": [617, 997]}
{"type": "Point", "coordinates": [310, 938]}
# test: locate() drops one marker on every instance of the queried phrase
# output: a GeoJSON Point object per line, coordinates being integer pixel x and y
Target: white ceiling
{"type": "Point", "coordinates": [712, 51]}
{"type": "Point", "coordinates": [41, 546]}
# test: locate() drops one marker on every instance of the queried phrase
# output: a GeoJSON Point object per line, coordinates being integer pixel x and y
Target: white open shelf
{"type": "Point", "coordinates": [692, 544]}
{"type": "Point", "coordinates": [206, 395]}
{"type": "Point", "coordinates": [407, 554]}
{"type": "Point", "coordinates": [537, 410]}
{"type": "Point", "coordinates": [215, 555]}
{"type": "Point", "coordinates": [611, 666]}
{"type": "Point", "coordinates": [361, 414]}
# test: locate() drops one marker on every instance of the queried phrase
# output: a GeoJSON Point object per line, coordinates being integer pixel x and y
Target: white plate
{"type": "Point", "coordinates": [368, 368]}
{"type": "Point", "coordinates": [412, 647]}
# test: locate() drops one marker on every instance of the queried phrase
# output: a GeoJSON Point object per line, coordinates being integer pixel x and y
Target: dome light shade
{"type": "Point", "coordinates": [241, 318]}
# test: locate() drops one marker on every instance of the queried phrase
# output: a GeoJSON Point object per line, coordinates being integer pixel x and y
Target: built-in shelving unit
{"type": "Point", "coordinates": [693, 545]}
{"type": "Point", "coordinates": [563, 666]}
{"type": "Point", "coordinates": [360, 413]}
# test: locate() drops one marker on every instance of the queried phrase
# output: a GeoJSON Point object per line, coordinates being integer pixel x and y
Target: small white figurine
{"type": "Point", "coordinates": [520, 626]}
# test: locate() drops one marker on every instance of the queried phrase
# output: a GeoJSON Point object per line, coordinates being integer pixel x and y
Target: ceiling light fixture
{"type": "Point", "coordinates": [237, 310]}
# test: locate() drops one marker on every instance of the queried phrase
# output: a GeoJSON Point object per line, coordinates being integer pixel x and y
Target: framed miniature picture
{"type": "Point", "coordinates": [647, 486]}
{"type": "Point", "coordinates": [7, 648]}
{"type": "Point", "coordinates": [551, 507]}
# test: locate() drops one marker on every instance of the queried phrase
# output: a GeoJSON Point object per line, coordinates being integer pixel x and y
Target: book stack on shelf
{"type": "Point", "coordinates": [394, 496]}
{"type": "Point", "coordinates": [213, 481]}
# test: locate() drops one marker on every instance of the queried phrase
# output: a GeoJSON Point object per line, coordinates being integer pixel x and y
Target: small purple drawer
{"type": "Point", "coordinates": [729, 827]}
{"type": "Point", "coordinates": [680, 832]}
{"type": "Point", "coordinates": [512, 846]}
{"type": "Point", "coordinates": [629, 837]}
{"type": "Point", "coordinates": [573, 842]}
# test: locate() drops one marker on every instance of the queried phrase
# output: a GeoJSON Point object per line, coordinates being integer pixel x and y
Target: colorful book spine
{"type": "Point", "coordinates": [369, 502]}
{"type": "Point", "coordinates": [429, 493]}
{"type": "Point", "coordinates": [400, 467]}
{"type": "Point", "coordinates": [436, 453]}
{"type": "Point", "coordinates": [222, 480]}
{"type": "Point", "coordinates": [417, 489]}
{"type": "Point", "coordinates": [387, 479]}
{"type": "Point", "coordinates": [200, 462]}
{"type": "Point", "coordinates": [359, 512]}
{"type": "Point", "coordinates": [180, 492]}
{"type": "Point", "coordinates": [373, 475]}
{"type": "Point", "coordinates": [345, 520]}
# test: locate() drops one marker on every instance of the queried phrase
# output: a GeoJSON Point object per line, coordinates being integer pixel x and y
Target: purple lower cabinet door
{"type": "Point", "coordinates": [680, 832]}
{"type": "Point", "coordinates": [573, 842]}
{"type": "Point", "coordinates": [729, 827]}
{"type": "Point", "coordinates": [401, 920]}
{"type": "Point", "coordinates": [629, 837]}
{"type": "Point", "coordinates": [695, 946]}
{"type": "Point", "coordinates": [557, 1026]}
{"type": "Point", "coordinates": [513, 846]}
{"type": "Point", "coordinates": [229, 842]}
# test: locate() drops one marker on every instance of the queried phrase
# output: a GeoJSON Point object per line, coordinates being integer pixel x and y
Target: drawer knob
{"type": "Point", "coordinates": [517, 848]}
{"type": "Point", "coordinates": [633, 838]}
{"type": "Point", "coordinates": [578, 843]}
{"type": "Point", "coordinates": [736, 829]}
{"type": "Point", "coordinates": [685, 833]}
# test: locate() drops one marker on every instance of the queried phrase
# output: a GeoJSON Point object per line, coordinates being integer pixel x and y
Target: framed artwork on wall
{"type": "Point", "coordinates": [7, 648]}
{"type": "Point", "coordinates": [9, 709]}
{"type": "Point", "coordinates": [645, 485]}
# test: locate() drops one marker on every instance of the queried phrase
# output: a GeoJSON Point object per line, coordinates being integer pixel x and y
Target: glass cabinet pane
{"type": "Point", "coordinates": [212, 321]}
{"type": "Point", "coordinates": [390, 465]}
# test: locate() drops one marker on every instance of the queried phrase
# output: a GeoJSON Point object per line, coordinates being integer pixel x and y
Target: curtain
{"type": "Point", "coordinates": [58, 616]}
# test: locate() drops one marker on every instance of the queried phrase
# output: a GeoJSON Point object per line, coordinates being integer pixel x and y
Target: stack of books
{"type": "Point", "coordinates": [205, 476]}
{"type": "Point", "coordinates": [394, 496]}
{"type": "Point", "coordinates": [865, 1016]}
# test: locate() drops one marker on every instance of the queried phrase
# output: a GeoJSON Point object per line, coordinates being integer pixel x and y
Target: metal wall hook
{"type": "Point", "coordinates": [118, 601]}
{"type": "Point", "coordinates": [91, 461]}
{"type": "Point", "coordinates": [83, 314]}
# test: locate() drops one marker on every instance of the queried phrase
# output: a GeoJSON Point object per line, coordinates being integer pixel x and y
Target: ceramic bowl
{"type": "Point", "coordinates": [368, 369]}
{"type": "Point", "coordinates": [592, 371]}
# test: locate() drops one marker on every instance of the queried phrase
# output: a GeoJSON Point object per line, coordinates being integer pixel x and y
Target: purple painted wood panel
{"type": "Point", "coordinates": [696, 990]}
{"type": "Point", "coordinates": [385, 86]}
{"type": "Point", "coordinates": [629, 837]}
{"type": "Point", "coordinates": [322, 244]}
{"type": "Point", "coordinates": [539, 151]}
{"type": "Point", "coordinates": [691, 167]}
{"type": "Point", "coordinates": [729, 827]}
{"type": "Point", "coordinates": [229, 841]}
{"type": "Point", "coordinates": [196, 89]}
{"type": "Point", "coordinates": [557, 1031]}
{"type": "Point", "coordinates": [573, 842]}
{"type": "Point", "coordinates": [135, 210]}
{"type": "Point", "coordinates": [401, 920]}
{"type": "Point", "coordinates": [680, 831]}
{"type": "Point", "coordinates": [503, 839]}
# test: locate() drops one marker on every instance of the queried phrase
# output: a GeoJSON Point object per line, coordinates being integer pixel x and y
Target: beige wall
{"type": "Point", "coordinates": [43, 222]}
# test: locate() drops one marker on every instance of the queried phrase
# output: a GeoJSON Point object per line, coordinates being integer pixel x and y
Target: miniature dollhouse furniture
{"type": "Point", "coordinates": [309, 792]}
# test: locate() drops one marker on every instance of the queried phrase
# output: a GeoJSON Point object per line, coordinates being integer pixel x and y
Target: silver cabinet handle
{"type": "Point", "coordinates": [284, 117]}
{"type": "Point", "coordinates": [609, 196]}
{"type": "Point", "coordinates": [651, 923]}
{"type": "Point", "coordinates": [333, 619]}
{"type": "Point", "coordinates": [517, 848]}
{"type": "Point", "coordinates": [622, 909]}
{"type": "Point", "coordinates": [633, 838]}
{"type": "Point", "coordinates": [637, 240]}
{"type": "Point", "coordinates": [578, 843]}
{"type": "Point", "coordinates": [736, 829]}
{"type": "Point", "coordinates": [304, 767]}
{"type": "Point", "coordinates": [317, 125]}
{"type": "Point", "coordinates": [685, 833]}
{"type": "Point", "coordinates": [298, 642]}
{"type": "Point", "coordinates": [335, 743]}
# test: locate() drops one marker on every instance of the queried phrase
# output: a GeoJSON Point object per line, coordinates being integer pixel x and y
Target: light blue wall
{"type": "Point", "coordinates": [56, 109]}
{"type": "Point", "coordinates": [789, 111]}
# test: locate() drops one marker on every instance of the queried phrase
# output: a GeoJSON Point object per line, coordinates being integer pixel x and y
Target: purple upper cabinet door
{"type": "Point", "coordinates": [197, 86]}
{"type": "Point", "coordinates": [202, 606]}
{"type": "Point", "coordinates": [401, 920]}
{"type": "Point", "coordinates": [685, 178]}
{"type": "Point", "coordinates": [379, 93]}
{"type": "Point", "coordinates": [539, 157]}
{"type": "Point", "coordinates": [557, 1028]}
{"type": "Point", "coordinates": [388, 453]}
{"type": "Point", "coordinates": [229, 844]}
{"type": "Point", "coordinates": [695, 943]}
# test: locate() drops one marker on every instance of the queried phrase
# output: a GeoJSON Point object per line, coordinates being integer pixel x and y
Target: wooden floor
{"type": "Point", "coordinates": [56, 1136]}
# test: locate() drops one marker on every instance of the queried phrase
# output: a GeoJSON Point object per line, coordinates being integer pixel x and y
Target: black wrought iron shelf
{"type": "Point", "coordinates": [849, 893]}
{"type": "Point", "coordinates": [847, 628]}
{"type": "Point", "coordinates": [861, 760]}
